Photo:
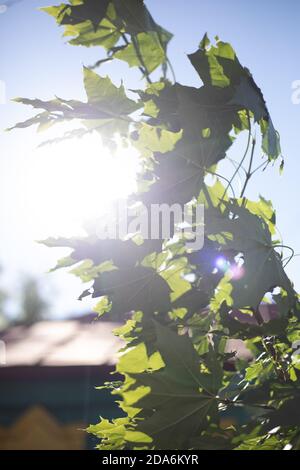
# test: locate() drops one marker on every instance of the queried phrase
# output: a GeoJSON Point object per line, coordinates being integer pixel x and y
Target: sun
{"type": "Point", "coordinates": [72, 183]}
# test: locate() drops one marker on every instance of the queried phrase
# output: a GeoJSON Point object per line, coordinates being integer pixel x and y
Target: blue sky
{"type": "Point", "coordinates": [36, 62]}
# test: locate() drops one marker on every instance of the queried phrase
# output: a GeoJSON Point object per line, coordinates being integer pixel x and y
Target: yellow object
{"type": "Point", "coordinates": [37, 429]}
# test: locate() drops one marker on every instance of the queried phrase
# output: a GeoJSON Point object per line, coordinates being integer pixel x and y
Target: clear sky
{"type": "Point", "coordinates": [36, 62]}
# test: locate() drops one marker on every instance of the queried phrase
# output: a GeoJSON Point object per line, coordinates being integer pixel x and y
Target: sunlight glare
{"type": "Point", "coordinates": [73, 182]}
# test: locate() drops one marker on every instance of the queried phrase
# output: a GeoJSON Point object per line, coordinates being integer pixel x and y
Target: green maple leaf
{"type": "Point", "coordinates": [107, 109]}
{"type": "Point", "coordinates": [262, 269]}
{"type": "Point", "coordinates": [176, 180]}
{"type": "Point", "coordinates": [197, 111]}
{"type": "Point", "coordinates": [95, 22]}
{"type": "Point", "coordinates": [181, 399]}
{"type": "Point", "coordinates": [151, 287]}
{"type": "Point", "coordinates": [89, 31]}
{"type": "Point", "coordinates": [133, 16]}
{"type": "Point", "coordinates": [137, 288]}
{"type": "Point", "coordinates": [205, 138]}
{"type": "Point", "coordinates": [123, 253]}
{"type": "Point", "coordinates": [98, 253]}
{"type": "Point", "coordinates": [150, 46]}
{"type": "Point", "coordinates": [108, 102]}
{"type": "Point", "coordinates": [102, 93]}
{"type": "Point", "coordinates": [149, 139]}
{"type": "Point", "coordinates": [89, 10]}
{"type": "Point", "coordinates": [218, 66]}
{"type": "Point", "coordinates": [148, 40]}
{"type": "Point", "coordinates": [288, 414]}
{"type": "Point", "coordinates": [142, 287]}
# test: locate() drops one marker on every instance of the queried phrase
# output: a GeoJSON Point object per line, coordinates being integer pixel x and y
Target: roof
{"type": "Point", "coordinates": [84, 342]}
{"type": "Point", "coordinates": [76, 342]}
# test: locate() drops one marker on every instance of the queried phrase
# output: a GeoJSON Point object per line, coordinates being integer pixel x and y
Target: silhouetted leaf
{"type": "Point", "coordinates": [106, 111]}
{"type": "Point", "coordinates": [218, 66]}
{"type": "Point", "coordinates": [136, 289]}
{"type": "Point", "coordinates": [262, 269]}
{"type": "Point", "coordinates": [180, 397]}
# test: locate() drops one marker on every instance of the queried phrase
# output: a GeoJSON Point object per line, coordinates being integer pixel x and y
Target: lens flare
{"type": "Point", "coordinates": [237, 272]}
{"type": "Point", "coordinates": [222, 264]}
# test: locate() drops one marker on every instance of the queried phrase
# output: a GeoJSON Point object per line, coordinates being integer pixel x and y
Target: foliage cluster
{"type": "Point", "coordinates": [181, 384]}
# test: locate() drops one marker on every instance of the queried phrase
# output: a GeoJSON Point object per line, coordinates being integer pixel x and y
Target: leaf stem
{"type": "Point", "coordinates": [242, 160]}
{"type": "Point", "coordinates": [141, 68]}
{"type": "Point", "coordinates": [289, 258]}
{"type": "Point", "coordinates": [249, 173]}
